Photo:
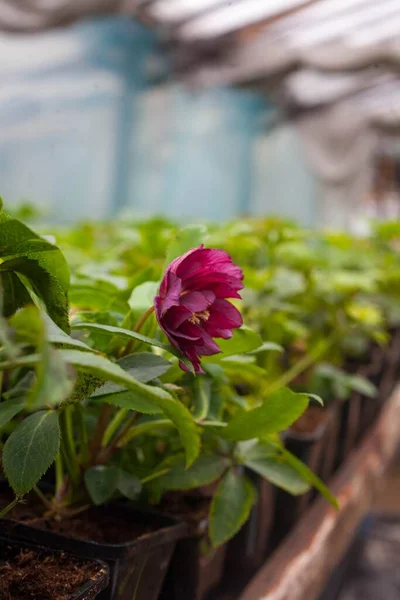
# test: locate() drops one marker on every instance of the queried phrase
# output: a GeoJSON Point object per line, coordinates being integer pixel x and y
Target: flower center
{"type": "Point", "coordinates": [196, 318]}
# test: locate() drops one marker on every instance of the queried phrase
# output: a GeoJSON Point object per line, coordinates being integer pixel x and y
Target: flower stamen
{"type": "Point", "coordinates": [196, 318]}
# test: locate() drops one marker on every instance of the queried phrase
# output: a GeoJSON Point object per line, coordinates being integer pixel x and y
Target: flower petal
{"type": "Point", "coordinates": [207, 346]}
{"type": "Point", "coordinates": [223, 314]}
{"type": "Point", "coordinates": [172, 290]}
{"type": "Point", "coordinates": [198, 301]}
{"type": "Point", "coordinates": [175, 316]}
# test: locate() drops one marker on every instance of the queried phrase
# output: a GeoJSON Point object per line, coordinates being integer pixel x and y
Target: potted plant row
{"type": "Point", "coordinates": [135, 426]}
{"type": "Point", "coordinates": [111, 392]}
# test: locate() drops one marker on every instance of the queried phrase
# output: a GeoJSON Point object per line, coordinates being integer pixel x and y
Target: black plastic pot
{"type": "Point", "coordinates": [194, 572]}
{"type": "Point", "coordinates": [196, 568]}
{"type": "Point", "coordinates": [350, 411]}
{"type": "Point", "coordinates": [309, 448]}
{"type": "Point", "coordinates": [248, 550]}
{"type": "Point", "coordinates": [137, 567]}
{"type": "Point", "coordinates": [330, 442]}
{"type": "Point", "coordinates": [88, 591]}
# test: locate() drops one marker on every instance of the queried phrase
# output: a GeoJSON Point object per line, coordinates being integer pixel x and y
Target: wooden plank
{"type": "Point", "coordinates": [302, 564]}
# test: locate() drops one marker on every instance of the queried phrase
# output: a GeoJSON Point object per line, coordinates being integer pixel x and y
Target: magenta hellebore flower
{"type": "Point", "coordinates": [191, 305]}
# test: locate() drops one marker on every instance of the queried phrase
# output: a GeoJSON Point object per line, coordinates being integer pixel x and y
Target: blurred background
{"type": "Point", "coordinates": [202, 109]}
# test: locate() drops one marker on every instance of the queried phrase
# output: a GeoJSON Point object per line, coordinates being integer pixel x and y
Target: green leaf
{"type": "Point", "coordinates": [129, 485]}
{"type": "Point", "coordinates": [243, 340]}
{"type": "Point", "coordinates": [125, 333]}
{"type": "Point", "coordinates": [55, 335]}
{"type": "Point", "coordinates": [111, 330]}
{"type": "Point", "coordinates": [21, 361]}
{"type": "Point", "coordinates": [117, 395]}
{"type": "Point", "coordinates": [16, 239]}
{"type": "Point", "coordinates": [268, 346]}
{"type": "Point", "coordinates": [230, 507]}
{"type": "Point", "coordinates": [54, 379]}
{"type": "Point", "coordinates": [203, 471]}
{"type": "Point", "coordinates": [40, 262]}
{"type": "Point", "coordinates": [202, 396]}
{"type": "Point", "coordinates": [45, 285]}
{"type": "Point", "coordinates": [179, 415]}
{"type": "Point", "coordinates": [277, 412]}
{"type": "Point", "coordinates": [101, 483]}
{"type": "Point", "coordinates": [143, 295]}
{"type": "Point", "coordinates": [271, 465]}
{"type": "Point", "coordinates": [188, 238]}
{"type": "Point", "coordinates": [30, 450]}
{"type": "Point", "coordinates": [144, 366]}
{"type": "Point", "coordinates": [309, 477]}
{"type": "Point", "coordinates": [362, 385]}
{"type": "Point", "coordinates": [15, 293]}
{"type": "Point", "coordinates": [316, 398]}
{"type": "Point", "coordinates": [9, 409]}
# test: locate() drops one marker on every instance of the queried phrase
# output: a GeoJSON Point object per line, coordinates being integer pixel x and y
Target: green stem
{"type": "Point", "coordinates": [68, 441]}
{"type": "Point", "coordinates": [114, 425]}
{"type": "Point", "coordinates": [59, 473]}
{"type": "Point", "coordinates": [95, 444]}
{"type": "Point", "coordinates": [106, 453]}
{"type": "Point", "coordinates": [143, 428]}
{"type": "Point", "coordinates": [67, 463]}
{"type": "Point", "coordinates": [143, 319]}
{"type": "Point", "coordinates": [42, 497]}
{"type": "Point", "coordinates": [136, 329]}
{"type": "Point", "coordinates": [301, 366]}
{"type": "Point", "coordinates": [9, 507]}
{"type": "Point", "coordinates": [154, 476]}
{"type": "Point", "coordinates": [82, 434]}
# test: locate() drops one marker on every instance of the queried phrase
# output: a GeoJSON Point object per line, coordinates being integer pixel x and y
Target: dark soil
{"type": "Point", "coordinates": [33, 575]}
{"type": "Point", "coordinates": [310, 420]}
{"type": "Point", "coordinates": [95, 524]}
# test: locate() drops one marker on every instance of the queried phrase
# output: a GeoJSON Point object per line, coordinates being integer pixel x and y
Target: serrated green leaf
{"type": "Point", "coordinates": [101, 483]}
{"type": "Point", "coordinates": [30, 450]}
{"type": "Point", "coordinates": [203, 471]}
{"type": "Point", "coordinates": [309, 477]}
{"type": "Point", "coordinates": [270, 464]}
{"type": "Point", "coordinates": [277, 412]}
{"type": "Point", "coordinates": [230, 507]}
{"type": "Point", "coordinates": [14, 293]}
{"type": "Point", "coordinates": [125, 333]}
{"type": "Point", "coordinates": [55, 335]}
{"type": "Point", "coordinates": [17, 240]}
{"type": "Point", "coordinates": [44, 284]}
{"type": "Point", "coordinates": [117, 395]}
{"type": "Point", "coordinates": [118, 331]}
{"type": "Point", "coordinates": [144, 366]}
{"type": "Point", "coordinates": [9, 409]}
{"type": "Point", "coordinates": [179, 415]}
